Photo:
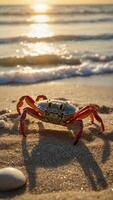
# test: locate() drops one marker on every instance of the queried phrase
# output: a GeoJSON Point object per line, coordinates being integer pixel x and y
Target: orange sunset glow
{"type": "Point", "coordinates": [55, 2]}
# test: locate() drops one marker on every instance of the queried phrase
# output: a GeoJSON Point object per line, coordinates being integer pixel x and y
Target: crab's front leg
{"type": "Point", "coordinates": [76, 125]}
{"type": "Point", "coordinates": [26, 111]}
{"type": "Point", "coordinates": [28, 100]}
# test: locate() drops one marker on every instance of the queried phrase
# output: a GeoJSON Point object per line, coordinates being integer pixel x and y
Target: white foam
{"type": "Point", "coordinates": [30, 75]}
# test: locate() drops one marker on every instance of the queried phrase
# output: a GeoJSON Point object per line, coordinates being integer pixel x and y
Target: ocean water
{"type": "Point", "coordinates": [46, 43]}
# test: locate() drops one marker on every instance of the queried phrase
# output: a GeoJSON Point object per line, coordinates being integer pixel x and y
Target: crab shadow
{"type": "Point", "coordinates": [57, 150]}
{"type": "Point", "coordinates": [106, 137]}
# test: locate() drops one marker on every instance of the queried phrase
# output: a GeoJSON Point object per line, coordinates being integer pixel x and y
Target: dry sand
{"type": "Point", "coordinates": [56, 169]}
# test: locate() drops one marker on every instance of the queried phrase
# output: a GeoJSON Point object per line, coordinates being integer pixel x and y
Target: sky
{"type": "Point", "coordinates": [53, 1]}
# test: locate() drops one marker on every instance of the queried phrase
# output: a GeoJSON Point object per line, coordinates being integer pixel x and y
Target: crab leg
{"type": "Point", "coordinates": [91, 106]}
{"type": "Point", "coordinates": [31, 112]}
{"type": "Point", "coordinates": [92, 118]}
{"type": "Point", "coordinates": [88, 112]}
{"type": "Point", "coordinates": [98, 118]}
{"type": "Point", "coordinates": [43, 97]}
{"type": "Point", "coordinates": [73, 125]}
{"type": "Point", "coordinates": [28, 100]}
{"type": "Point", "coordinates": [79, 134]}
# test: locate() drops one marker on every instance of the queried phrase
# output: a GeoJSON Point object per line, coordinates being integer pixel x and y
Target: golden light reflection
{"type": "Point", "coordinates": [41, 8]}
{"type": "Point", "coordinates": [40, 18]}
{"type": "Point", "coordinates": [40, 48]}
{"type": "Point", "coordinates": [40, 30]}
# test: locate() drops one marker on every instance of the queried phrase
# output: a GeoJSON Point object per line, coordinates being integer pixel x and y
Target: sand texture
{"type": "Point", "coordinates": [54, 167]}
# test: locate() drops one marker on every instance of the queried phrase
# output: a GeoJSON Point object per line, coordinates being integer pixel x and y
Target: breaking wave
{"type": "Point", "coordinates": [29, 75]}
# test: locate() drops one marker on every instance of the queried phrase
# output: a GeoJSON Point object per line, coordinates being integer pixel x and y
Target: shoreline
{"type": "Point", "coordinates": [105, 80]}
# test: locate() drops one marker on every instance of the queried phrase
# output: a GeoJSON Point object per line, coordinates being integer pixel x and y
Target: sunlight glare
{"type": "Point", "coordinates": [39, 18]}
{"type": "Point", "coordinates": [40, 30]}
{"type": "Point", "coordinates": [40, 48]}
{"type": "Point", "coordinates": [41, 8]}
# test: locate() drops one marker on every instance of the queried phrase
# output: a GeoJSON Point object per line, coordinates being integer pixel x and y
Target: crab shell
{"type": "Point", "coordinates": [56, 111]}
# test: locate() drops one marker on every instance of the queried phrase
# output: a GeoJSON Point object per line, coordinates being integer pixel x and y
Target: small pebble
{"type": "Point", "coordinates": [2, 123]}
{"type": "Point", "coordinates": [11, 179]}
{"type": "Point", "coordinates": [4, 111]}
{"type": "Point", "coordinates": [13, 101]}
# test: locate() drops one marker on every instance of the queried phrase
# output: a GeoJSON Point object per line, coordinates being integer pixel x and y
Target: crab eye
{"type": "Point", "coordinates": [61, 107]}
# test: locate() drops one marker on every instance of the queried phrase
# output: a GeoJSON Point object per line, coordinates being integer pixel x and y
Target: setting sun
{"type": "Point", "coordinates": [42, 8]}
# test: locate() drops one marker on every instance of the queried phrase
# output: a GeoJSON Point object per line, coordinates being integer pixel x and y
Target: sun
{"type": "Point", "coordinates": [41, 8]}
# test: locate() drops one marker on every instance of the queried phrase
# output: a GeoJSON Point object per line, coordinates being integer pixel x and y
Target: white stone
{"type": "Point", "coordinates": [2, 123]}
{"type": "Point", "coordinates": [11, 178]}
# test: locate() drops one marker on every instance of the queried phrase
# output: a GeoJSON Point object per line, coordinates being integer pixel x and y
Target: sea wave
{"type": "Point", "coordinates": [54, 59]}
{"type": "Point", "coordinates": [29, 10]}
{"type": "Point", "coordinates": [54, 12]}
{"type": "Point", "coordinates": [38, 60]}
{"type": "Point", "coordinates": [56, 38]}
{"type": "Point", "coordinates": [30, 75]}
{"type": "Point", "coordinates": [60, 21]}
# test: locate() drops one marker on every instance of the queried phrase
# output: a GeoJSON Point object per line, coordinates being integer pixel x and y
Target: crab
{"type": "Point", "coordinates": [59, 112]}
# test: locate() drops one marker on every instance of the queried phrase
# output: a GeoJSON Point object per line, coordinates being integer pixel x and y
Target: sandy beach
{"type": "Point", "coordinates": [63, 50]}
{"type": "Point", "coordinates": [54, 167]}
